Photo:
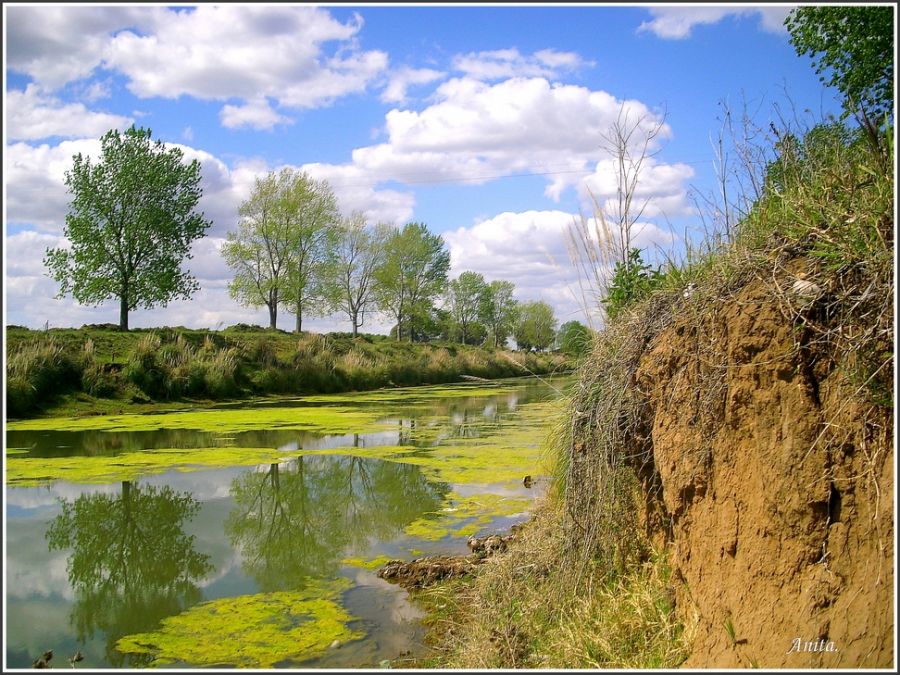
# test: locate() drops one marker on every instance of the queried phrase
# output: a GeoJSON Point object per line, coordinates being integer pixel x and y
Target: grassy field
{"type": "Point", "coordinates": [101, 369]}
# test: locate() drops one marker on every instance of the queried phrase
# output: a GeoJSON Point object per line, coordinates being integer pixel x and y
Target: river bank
{"type": "Point", "coordinates": [98, 369]}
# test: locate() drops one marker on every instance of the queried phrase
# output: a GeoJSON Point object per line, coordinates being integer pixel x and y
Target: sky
{"type": "Point", "coordinates": [487, 123]}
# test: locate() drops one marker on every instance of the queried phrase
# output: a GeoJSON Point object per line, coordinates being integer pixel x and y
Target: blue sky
{"type": "Point", "coordinates": [484, 122]}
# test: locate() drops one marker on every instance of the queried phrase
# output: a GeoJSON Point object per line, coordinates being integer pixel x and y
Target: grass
{"type": "Point", "coordinates": [101, 368]}
{"type": "Point", "coordinates": [526, 610]}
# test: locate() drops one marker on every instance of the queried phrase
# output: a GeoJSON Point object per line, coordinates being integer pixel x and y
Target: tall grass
{"type": "Point", "coordinates": [173, 364]}
{"type": "Point", "coordinates": [36, 371]}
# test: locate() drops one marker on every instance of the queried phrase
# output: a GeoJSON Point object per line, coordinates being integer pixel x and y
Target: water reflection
{"type": "Point", "coordinates": [131, 563]}
{"type": "Point", "coordinates": [457, 418]}
{"type": "Point", "coordinates": [298, 519]}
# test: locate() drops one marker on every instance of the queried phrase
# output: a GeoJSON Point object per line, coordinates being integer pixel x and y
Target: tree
{"type": "Point", "coordinates": [852, 49]}
{"type": "Point", "coordinates": [498, 310]}
{"type": "Point", "coordinates": [536, 326]}
{"type": "Point", "coordinates": [131, 223]}
{"type": "Point", "coordinates": [312, 217]}
{"type": "Point", "coordinates": [351, 283]}
{"type": "Point", "coordinates": [466, 296]}
{"type": "Point", "coordinates": [258, 250]}
{"type": "Point", "coordinates": [596, 247]}
{"type": "Point", "coordinates": [413, 273]}
{"type": "Point", "coordinates": [574, 338]}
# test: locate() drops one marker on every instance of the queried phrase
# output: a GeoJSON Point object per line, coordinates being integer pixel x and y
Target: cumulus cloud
{"type": "Point", "coordinates": [404, 78]}
{"type": "Point", "coordinates": [298, 56]}
{"type": "Point", "coordinates": [661, 189]}
{"type": "Point", "coordinates": [35, 191]}
{"type": "Point", "coordinates": [256, 114]}
{"type": "Point", "coordinates": [246, 52]}
{"type": "Point", "coordinates": [506, 63]}
{"type": "Point", "coordinates": [32, 115]}
{"type": "Point", "coordinates": [676, 23]}
{"type": "Point", "coordinates": [474, 132]}
{"type": "Point", "coordinates": [56, 45]}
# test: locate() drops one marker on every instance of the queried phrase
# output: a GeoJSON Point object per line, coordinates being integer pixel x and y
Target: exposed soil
{"type": "Point", "coordinates": [773, 490]}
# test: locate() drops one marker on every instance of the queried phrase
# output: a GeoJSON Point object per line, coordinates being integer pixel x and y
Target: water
{"type": "Point", "coordinates": [262, 553]}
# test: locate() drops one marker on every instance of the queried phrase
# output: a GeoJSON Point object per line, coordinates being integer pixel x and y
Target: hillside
{"type": "Point", "coordinates": [724, 474]}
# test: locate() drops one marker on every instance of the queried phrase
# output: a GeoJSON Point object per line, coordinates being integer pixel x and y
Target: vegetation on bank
{"type": "Point", "coordinates": [178, 364]}
{"type": "Point", "coordinates": [585, 585]}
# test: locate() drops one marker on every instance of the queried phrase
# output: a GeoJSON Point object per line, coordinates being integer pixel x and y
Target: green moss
{"type": "Point", "coordinates": [250, 631]}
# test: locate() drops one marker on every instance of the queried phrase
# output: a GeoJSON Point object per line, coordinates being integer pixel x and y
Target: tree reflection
{"type": "Point", "coordinates": [299, 518]}
{"type": "Point", "coordinates": [132, 563]}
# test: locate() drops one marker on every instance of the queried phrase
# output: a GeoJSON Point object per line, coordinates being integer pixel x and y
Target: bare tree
{"type": "Point", "coordinates": [597, 244]}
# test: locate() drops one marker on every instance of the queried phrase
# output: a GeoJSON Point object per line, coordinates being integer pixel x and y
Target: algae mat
{"type": "Point", "coordinates": [256, 631]}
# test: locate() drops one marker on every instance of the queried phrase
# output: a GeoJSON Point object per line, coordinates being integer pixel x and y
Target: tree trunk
{"type": "Point", "coordinates": [354, 317]}
{"type": "Point", "coordinates": [273, 315]}
{"type": "Point", "coordinates": [299, 320]}
{"type": "Point", "coordinates": [123, 311]}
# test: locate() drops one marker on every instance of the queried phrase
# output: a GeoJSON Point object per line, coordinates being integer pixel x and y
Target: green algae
{"type": "Point", "coordinates": [466, 516]}
{"type": "Point", "coordinates": [250, 631]}
{"type": "Point", "coordinates": [406, 394]}
{"type": "Point", "coordinates": [318, 419]}
{"type": "Point", "coordinates": [365, 563]}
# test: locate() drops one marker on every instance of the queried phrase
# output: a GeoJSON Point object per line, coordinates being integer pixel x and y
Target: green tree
{"type": "Point", "coordinates": [350, 281]}
{"type": "Point", "coordinates": [312, 215]}
{"type": "Point", "coordinates": [536, 326]}
{"type": "Point", "coordinates": [412, 275]}
{"type": "Point", "coordinates": [131, 223]}
{"type": "Point", "coordinates": [259, 248]}
{"type": "Point", "coordinates": [631, 282]}
{"type": "Point", "coordinates": [465, 296]}
{"type": "Point", "coordinates": [852, 48]}
{"type": "Point", "coordinates": [574, 338]}
{"type": "Point", "coordinates": [498, 311]}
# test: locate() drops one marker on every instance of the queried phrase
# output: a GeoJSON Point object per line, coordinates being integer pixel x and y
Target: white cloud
{"type": "Point", "coordinates": [32, 115]}
{"type": "Point", "coordinates": [676, 23]}
{"type": "Point", "coordinates": [403, 78]}
{"type": "Point", "coordinates": [61, 44]}
{"type": "Point", "coordinates": [474, 132]}
{"type": "Point", "coordinates": [661, 189]}
{"type": "Point", "coordinates": [355, 191]}
{"type": "Point", "coordinates": [246, 52]}
{"type": "Point", "coordinates": [256, 114]}
{"type": "Point", "coordinates": [35, 191]}
{"type": "Point", "coordinates": [506, 63]}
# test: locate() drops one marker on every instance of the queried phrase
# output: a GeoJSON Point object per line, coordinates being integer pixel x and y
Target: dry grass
{"type": "Point", "coordinates": [524, 610]}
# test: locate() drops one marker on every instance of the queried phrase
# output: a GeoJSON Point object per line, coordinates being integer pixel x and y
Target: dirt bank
{"type": "Point", "coordinates": [770, 481]}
